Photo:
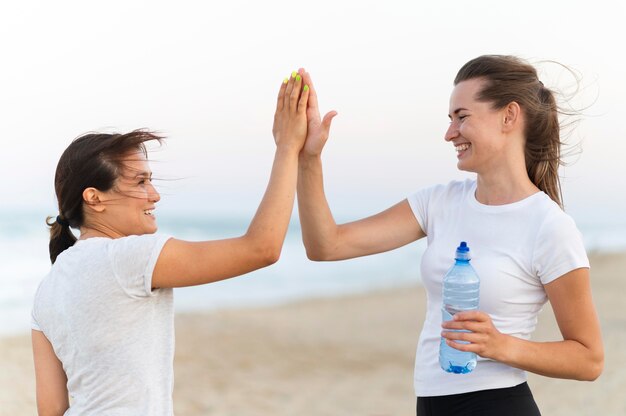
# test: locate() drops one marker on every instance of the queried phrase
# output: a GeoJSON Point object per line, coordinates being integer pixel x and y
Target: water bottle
{"type": "Point", "coordinates": [460, 293]}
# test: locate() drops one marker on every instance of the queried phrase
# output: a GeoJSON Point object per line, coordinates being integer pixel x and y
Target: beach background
{"type": "Point", "coordinates": [298, 337]}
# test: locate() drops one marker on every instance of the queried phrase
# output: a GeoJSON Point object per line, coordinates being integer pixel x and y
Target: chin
{"type": "Point", "coordinates": [462, 166]}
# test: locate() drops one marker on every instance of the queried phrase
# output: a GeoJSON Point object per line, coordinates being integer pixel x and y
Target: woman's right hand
{"type": "Point", "coordinates": [290, 122]}
{"type": "Point", "coordinates": [318, 128]}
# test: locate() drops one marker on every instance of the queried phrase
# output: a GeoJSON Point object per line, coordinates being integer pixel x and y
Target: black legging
{"type": "Point", "coordinates": [511, 401]}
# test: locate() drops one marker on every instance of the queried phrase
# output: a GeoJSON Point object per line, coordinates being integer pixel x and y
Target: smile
{"type": "Point", "coordinates": [462, 147]}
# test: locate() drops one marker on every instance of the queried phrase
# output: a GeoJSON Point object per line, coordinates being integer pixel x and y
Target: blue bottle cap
{"type": "Point", "coordinates": [462, 252]}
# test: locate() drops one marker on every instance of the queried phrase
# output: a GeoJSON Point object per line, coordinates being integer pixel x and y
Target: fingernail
{"type": "Point", "coordinates": [306, 88]}
{"type": "Point", "coordinates": [298, 77]}
{"type": "Point", "coordinates": [286, 80]}
{"type": "Point", "coordinates": [293, 74]}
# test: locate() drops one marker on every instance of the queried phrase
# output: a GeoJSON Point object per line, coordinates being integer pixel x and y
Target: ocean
{"type": "Point", "coordinates": [24, 261]}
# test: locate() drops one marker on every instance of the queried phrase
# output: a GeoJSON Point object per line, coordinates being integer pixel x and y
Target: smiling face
{"type": "Point", "coordinates": [475, 128]}
{"type": "Point", "coordinates": [128, 208]}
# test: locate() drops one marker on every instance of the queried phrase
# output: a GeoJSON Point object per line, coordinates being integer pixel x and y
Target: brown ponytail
{"type": "Point", "coordinates": [93, 160]}
{"type": "Point", "coordinates": [512, 79]}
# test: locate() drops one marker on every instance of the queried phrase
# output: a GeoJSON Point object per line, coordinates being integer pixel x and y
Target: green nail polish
{"type": "Point", "coordinates": [286, 80]}
{"type": "Point", "coordinates": [293, 74]}
{"type": "Point", "coordinates": [306, 88]}
{"type": "Point", "coordinates": [298, 77]}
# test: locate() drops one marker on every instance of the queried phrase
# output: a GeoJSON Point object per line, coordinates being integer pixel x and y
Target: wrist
{"type": "Point", "coordinates": [306, 159]}
{"type": "Point", "coordinates": [507, 350]}
{"type": "Point", "coordinates": [287, 150]}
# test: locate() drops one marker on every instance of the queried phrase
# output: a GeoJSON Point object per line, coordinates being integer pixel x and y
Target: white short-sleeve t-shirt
{"type": "Point", "coordinates": [113, 334]}
{"type": "Point", "coordinates": [515, 248]}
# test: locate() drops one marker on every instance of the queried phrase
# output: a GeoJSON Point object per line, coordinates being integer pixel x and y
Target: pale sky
{"type": "Point", "coordinates": [206, 75]}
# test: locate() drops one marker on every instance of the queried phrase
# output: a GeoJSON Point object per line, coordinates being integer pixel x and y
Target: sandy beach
{"type": "Point", "coordinates": [341, 356]}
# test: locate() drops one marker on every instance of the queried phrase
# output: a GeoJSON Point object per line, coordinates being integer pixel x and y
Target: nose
{"type": "Point", "coordinates": [452, 132]}
{"type": "Point", "coordinates": [153, 194]}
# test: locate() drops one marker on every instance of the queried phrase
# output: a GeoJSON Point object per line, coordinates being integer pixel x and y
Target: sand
{"type": "Point", "coordinates": [341, 356]}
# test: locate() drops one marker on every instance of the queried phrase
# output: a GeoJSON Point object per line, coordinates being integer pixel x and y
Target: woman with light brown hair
{"type": "Point", "coordinates": [504, 126]}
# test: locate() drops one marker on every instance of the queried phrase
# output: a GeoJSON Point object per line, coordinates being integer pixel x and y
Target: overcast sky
{"type": "Point", "coordinates": [206, 75]}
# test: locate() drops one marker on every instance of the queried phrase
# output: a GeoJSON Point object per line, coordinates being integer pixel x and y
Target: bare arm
{"type": "Point", "coordinates": [50, 378]}
{"type": "Point", "coordinates": [183, 263]}
{"type": "Point", "coordinates": [323, 238]}
{"type": "Point", "coordinates": [579, 356]}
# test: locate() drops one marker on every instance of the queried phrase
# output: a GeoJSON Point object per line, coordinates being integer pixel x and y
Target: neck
{"type": "Point", "coordinates": [99, 230]}
{"type": "Point", "coordinates": [503, 188]}
{"type": "Point", "coordinates": [505, 180]}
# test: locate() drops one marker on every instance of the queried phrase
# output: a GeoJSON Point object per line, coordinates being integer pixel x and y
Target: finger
{"type": "Point", "coordinates": [295, 93]}
{"type": "Point", "coordinates": [461, 347]}
{"type": "Point", "coordinates": [453, 325]}
{"type": "Point", "coordinates": [462, 338]}
{"type": "Point", "coordinates": [471, 326]}
{"type": "Point", "coordinates": [289, 89]}
{"type": "Point", "coordinates": [328, 118]}
{"type": "Point", "coordinates": [281, 95]}
{"type": "Point", "coordinates": [312, 94]}
{"type": "Point", "coordinates": [471, 316]}
{"type": "Point", "coordinates": [304, 98]}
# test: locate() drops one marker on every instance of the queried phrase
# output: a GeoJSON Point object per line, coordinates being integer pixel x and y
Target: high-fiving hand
{"type": "Point", "coordinates": [318, 128]}
{"type": "Point", "coordinates": [290, 119]}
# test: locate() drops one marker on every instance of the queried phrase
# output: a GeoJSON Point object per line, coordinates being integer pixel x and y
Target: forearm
{"type": "Point", "coordinates": [567, 359]}
{"type": "Point", "coordinates": [319, 230]}
{"type": "Point", "coordinates": [269, 225]}
{"type": "Point", "coordinates": [580, 356]}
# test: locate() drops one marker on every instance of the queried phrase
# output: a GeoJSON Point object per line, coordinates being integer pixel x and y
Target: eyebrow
{"type": "Point", "coordinates": [457, 111]}
{"type": "Point", "coordinates": [145, 174]}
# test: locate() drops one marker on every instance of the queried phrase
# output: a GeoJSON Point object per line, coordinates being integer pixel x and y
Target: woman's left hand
{"type": "Point", "coordinates": [484, 339]}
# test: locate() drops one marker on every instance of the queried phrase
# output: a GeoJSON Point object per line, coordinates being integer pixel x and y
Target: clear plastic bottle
{"type": "Point", "coordinates": [460, 293]}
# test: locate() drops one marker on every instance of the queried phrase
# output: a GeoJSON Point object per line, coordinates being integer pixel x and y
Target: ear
{"type": "Point", "coordinates": [512, 117]}
{"type": "Point", "coordinates": [92, 200]}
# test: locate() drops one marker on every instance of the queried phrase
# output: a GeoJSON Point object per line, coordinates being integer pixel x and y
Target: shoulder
{"type": "Point", "coordinates": [133, 242]}
{"type": "Point", "coordinates": [554, 220]}
{"type": "Point", "coordinates": [136, 248]}
{"type": "Point", "coordinates": [457, 189]}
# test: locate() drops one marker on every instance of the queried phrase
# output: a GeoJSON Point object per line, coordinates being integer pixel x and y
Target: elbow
{"type": "Point", "coordinates": [52, 410]}
{"type": "Point", "coordinates": [271, 256]}
{"type": "Point", "coordinates": [263, 251]}
{"type": "Point", "coordinates": [594, 369]}
{"type": "Point", "coordinates": [316, 255]}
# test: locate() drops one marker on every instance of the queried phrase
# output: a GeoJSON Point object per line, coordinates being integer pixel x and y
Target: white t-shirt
{"type": "Point", "coordinates": [515, 248]}
{"type": "Point", "coordinates": [113, 334]}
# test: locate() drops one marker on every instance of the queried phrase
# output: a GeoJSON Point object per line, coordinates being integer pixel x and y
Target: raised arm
{"type": "Point", "coordinates": [323, 238]}
{"type": "Point", "coordinates": [579, 356]}
{"type": "Point", "coordinates": [183, 263]}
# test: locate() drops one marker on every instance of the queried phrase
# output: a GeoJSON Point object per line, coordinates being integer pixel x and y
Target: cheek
{"type": "Point", "coordinates": [466, 131]}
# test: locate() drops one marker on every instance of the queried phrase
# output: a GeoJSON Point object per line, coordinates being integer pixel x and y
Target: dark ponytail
{"type": "Point", "coordinates": [61, 237]}
{"type": "Point", "coordinates": [509, 79]}
{"type": "Point", "coordinates": [93, 160]}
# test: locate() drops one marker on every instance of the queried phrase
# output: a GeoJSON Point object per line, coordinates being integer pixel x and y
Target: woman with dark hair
{"type": "Point", "coordinates": [505, 128]}
{"type": "Point", "coordinates": [103, 316]}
